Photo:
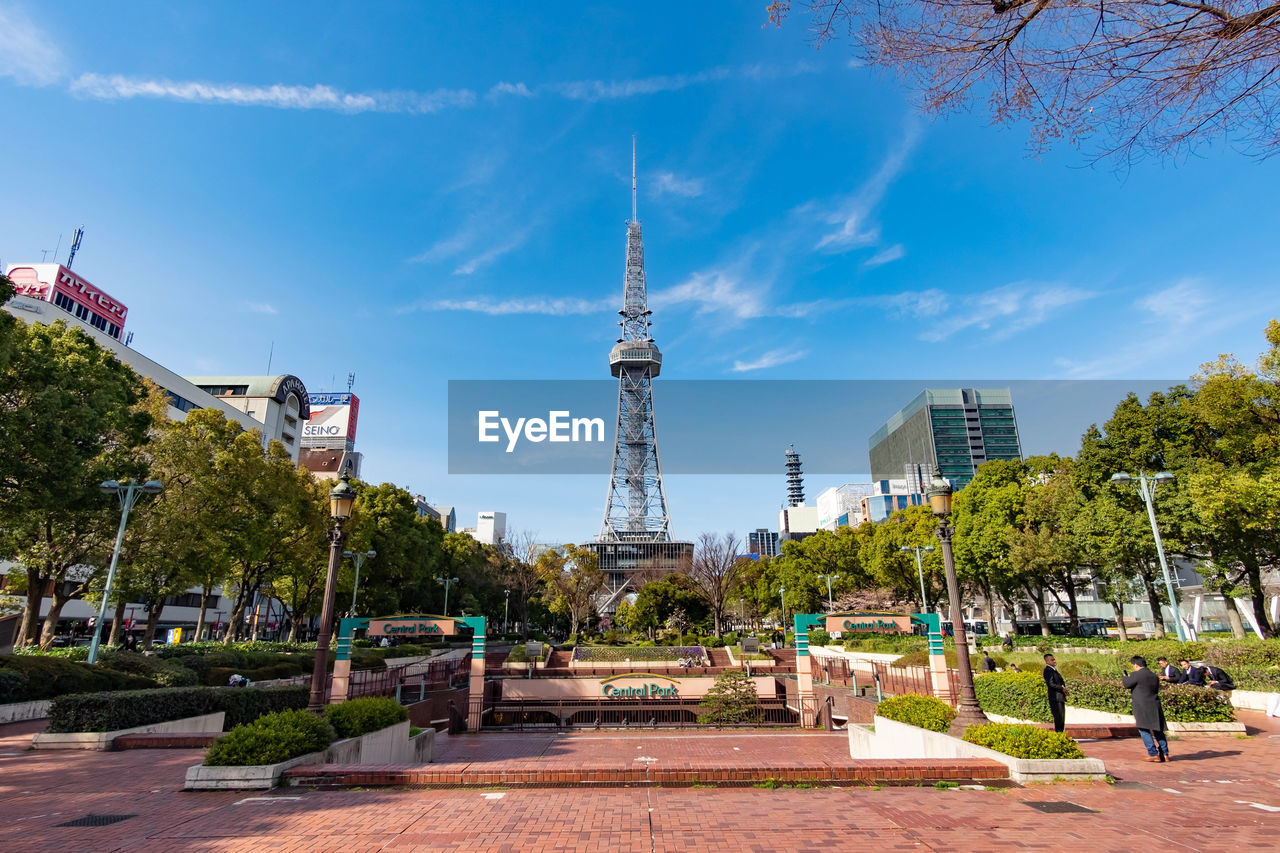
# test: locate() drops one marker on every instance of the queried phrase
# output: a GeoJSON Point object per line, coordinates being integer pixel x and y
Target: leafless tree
{"type": "Point", "coordinates": [1139, 77]}
{"type": "Point", "coordinates": [716, 566]}
{"type": "Point", "coordinates": [521, 574]}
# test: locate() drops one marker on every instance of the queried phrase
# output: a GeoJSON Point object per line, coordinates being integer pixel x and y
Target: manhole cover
{"type": "Point", "coordinates": [1060, 807]}
{"type": "Point", "coordinates": [97, 820]}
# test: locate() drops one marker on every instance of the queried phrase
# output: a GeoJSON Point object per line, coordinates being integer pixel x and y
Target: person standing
{"type": "Point", "coordinates": [1148, 715]}
{"type": "Point", "coordinates": [988, 662]}
{"type": "Point", "coordinates": [1169, 672]}
{"type": "Point", "coordinates": [1057, 689]}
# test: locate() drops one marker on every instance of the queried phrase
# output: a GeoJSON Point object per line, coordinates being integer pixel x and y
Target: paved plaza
{"type": "Point", "coordinates": [1218, 794]}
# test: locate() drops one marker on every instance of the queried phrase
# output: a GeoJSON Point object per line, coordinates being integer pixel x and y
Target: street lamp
{"type": "Point", "coordinates": [506, 610]}
{"type": "Point", "coordinates": [782, 594]}
{"type": "Point", "coordinates": [1147, 488]}
{"type": "Point", "coordinates": [341, 499]}
{"type": "Point", "coordinates": [830, 578]}
{"type": "Point", "coordinates": [357, 557]}
{"type": "Point", "coordinates": [924, 599]}
{"type": "Point", "coordinates": [446, 582]}
{"type": "Point", "coordinates": [968, 711]}
{"type": "Point", "coordinates": [742, 614]}
{"type": "Point", "coordinates": [128, 492]}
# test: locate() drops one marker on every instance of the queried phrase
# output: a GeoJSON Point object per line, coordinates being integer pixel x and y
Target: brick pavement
{"type": "Point", "coordinates": [1201, 801]}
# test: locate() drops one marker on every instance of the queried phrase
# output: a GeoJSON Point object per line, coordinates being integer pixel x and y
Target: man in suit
{"type": "Point", "coordinates": [1218, 679]}
{"type": "Point", "coordinates": [1169, 672]}
{"type": "Point", "coordinates": [1194, 672]}
{"type": "Point", "coordinates": [1148, 715]}
{"type": "Point", "coordinates": [1057, 689]}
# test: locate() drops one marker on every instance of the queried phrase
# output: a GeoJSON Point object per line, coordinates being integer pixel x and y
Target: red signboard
{"type": "Point", "coordinates": [45, 281]}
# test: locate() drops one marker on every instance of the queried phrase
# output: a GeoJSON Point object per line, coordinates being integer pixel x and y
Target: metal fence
{"type": "Point", "coordinates": [892, 680]}
{"type": "Point", "coordinates": [559, 714]}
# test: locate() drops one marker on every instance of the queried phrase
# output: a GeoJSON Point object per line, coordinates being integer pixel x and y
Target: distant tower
{"type": "Point", "coordinates": [636, 509]}
{"type": "Point", "coordinates": [795, 481]}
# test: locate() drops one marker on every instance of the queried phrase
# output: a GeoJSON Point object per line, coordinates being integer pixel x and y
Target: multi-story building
{"type": "Point", "coordinates": [444, 514]}
{"type": "Point", "coordinates": [890, 495]}
{"type": "Point", "coordinates": [842, 502]}
{"type": "Point", "coordinates": [763, 542]}
{"type": "Point", "coordinates": [491, 527]}
{"type": "Point", "coordinates": [328, 442]}
{"type": "Point", "coordinates": [797, 522]}
{"type": "Point", "coordinates": [279, 404]}
{"type": "Point", "coordinates": [72, 293]}
{"type": "Point", "coordinates": [955, 429]}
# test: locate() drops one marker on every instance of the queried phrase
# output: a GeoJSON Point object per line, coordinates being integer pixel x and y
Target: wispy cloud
{"type": "Point", "coordinates": [606, 90]}
{"type": "Point", "coordinates": [261, 308]}
{"type": "Point", "coordinates": [119, 87]}
{"type": "Point", "coordinates": [519, 90]}
{"type": "Point", "coordinates": [773, 358]}
{"type": "Point", "coordinates": [914, 303]}
{"type": "Point", "coordinates": [31, 57]}
{"type": "Point", "coordinates": [885, 256]}
{"type": "Point", "coordinates": [667, 183]}
{"type": "Point", "coordinates": [719, 291]}
{"type": "Point", "coordinates": [852, 217]}
{"type": "Point", "coordinates": [1008, 310]}
{"type": "Point", "coordinates": [491, 254]}
{"type": "Point", "coordinates": [1176, 307]}
{"type": "Point", "coordinates": [532, 305]}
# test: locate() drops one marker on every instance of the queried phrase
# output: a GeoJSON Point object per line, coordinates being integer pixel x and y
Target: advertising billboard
{"type": "Point", "coordinates": [333, 416]}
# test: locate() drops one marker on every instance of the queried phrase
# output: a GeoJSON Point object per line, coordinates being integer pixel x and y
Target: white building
{"type": "Point", "coordinates": [279, 404]}
{"type": "Point", "coordinates": [797, 522]}
{"type": "Point", "coordinates": [841, 506]}
{"type": "Point", "coordinates": [491, 527]}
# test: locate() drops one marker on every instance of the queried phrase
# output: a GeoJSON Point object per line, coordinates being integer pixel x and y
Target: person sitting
{"type": "Point", "coordinates": [1170, 673]}
{"type": "Point", "coordinates": [1007, 645]}
{"type": "Point", "coordinates": [1219, 679]}
{"type": "Point", "coordinates": [1013, 667]}
{"type": "Point", "coordinates": [1196, 674]}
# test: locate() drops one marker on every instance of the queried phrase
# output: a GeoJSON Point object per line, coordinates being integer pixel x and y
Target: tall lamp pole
{"type": "Point", "coordinates": [128, 492]}
{"type": "Point", "coordinates": [506, 609]}
{"type": "Point", "coordinates": [924, 599]}
{"type": "Point", "coordinates": [357, 557]}
{"type": "Point", "coordinates": [341, 499]}
{"type": "Point", "coordinates": [1147, 488]}
{"type": "Point", "coordinates": [446, 582]}
{"type": "Point", "coordinates": [968, 711]}
{"type": "Point", "coordinates": [830, 578]}
{"type": "Point", "coordinates": [782, 595]}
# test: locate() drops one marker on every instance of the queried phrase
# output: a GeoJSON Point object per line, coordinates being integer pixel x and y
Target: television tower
{"type": "Point", "coordinates": [795, 481]}
{"type": "Point", "coordinates": [636, 508]}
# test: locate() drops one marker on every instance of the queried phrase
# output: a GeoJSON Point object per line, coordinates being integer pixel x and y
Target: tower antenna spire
{"type": "Point", "coordinates": [633, 177]}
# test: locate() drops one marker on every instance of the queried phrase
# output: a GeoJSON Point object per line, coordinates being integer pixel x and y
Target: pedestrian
{"type": "Point", "coordinates": [1148, 715]}
{"type": "Point", "coordinates": [988, 662]}
{"type": "Point", "coordinates": [1169, 672]}
{"type": "Point", "coordinates": [1057, 689]}
{"type": "Point", "coordinates": [1219, 679]}
{"type": "Point", "coordinates": [1008, 642]}
{"type": "Point", "coordinates": [1195, 674]}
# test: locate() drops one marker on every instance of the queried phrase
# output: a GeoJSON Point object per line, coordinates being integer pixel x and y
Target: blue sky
{"type": "Point", "coordinates": [422, 195]}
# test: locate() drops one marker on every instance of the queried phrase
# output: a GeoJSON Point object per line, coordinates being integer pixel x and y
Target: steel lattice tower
{"type": "Point", "coordinates": [636, 508]}
{"type": "Point", "coordinates": [795, 481]}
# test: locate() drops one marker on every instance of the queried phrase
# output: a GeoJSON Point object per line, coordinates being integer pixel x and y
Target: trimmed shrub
{"type": "Point", "coordinates": [732, 700]}
{"type": "Point", "coordinates": [13, 686]}
{"type": "Point", "coordinates": [888, 644]}
{"type": "Point", "coordinates": [819, 637]}
{"type": "Point", "coordinates": [356, 717]}
{"type": "Point", "coordinates": [923, 711]}
{"type": "Point", "coordinates": [1098, 694]}
{"type": "Point", "coordinates": [271, 739]}
{"type": "Point", "coordinates": [920, 657]}
{"type": "Point", "coordinates": [105, 712]}
{"type": "Point", "coordinates": [618, 654]}
{"type": "Point", "coordinates": [1023, 741]}
{"type": "Point", "coordinates": [1020, 695]}
{"type": "Point", "coordinates": [218, 676]}
{"type": "Point", "coordinates": [1257, 678]}
{"type": "Point", "coordinates": [167, 673]}
{"type": "Point", "coordinates": [47, 677]}
{"type": "Point", "coordinates": [1183, 703]}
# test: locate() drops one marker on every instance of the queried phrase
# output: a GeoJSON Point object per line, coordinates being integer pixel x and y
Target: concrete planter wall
{"type": "Point", "coordinates": [103, 740]}
{"type": "Point", "coordinates": [391, 745]}
{"type": "Point", "coordinates": [892, 739]}
{"type": "Point", "coordinates": [16, 712]}
{"type": "Point", "coordinates": [1246, 700]}
{"type": "Point", "coordinates": [1088, 716]}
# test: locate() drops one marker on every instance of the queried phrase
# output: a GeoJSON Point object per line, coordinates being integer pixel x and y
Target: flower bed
{"type": "Point", "coordinates": [621, 654]}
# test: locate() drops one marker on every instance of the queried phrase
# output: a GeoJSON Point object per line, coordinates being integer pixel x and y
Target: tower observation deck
{"type": "Point", "coordinates": [635, 536]}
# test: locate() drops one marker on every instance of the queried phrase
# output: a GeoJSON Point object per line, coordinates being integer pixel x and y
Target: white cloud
{"type": "Point", "coordinates": [667, 183]}
{"type": "Point", "coordinates": [885, 256]}
{"type": "Point", "coordinates": [491, 254]}
{"type": "Point", "coordinates": [853, 214]}
{"type": "Point", "coordinates": [1008, 310]}
{"type": "Point", "coordinates": [261, 308]}
{"type": "Point", "coordinates": [1178, 306]}
{"type": "Point", "coordinates": [601, 90]}
{"type": "Point", "coordinates": [31, 57]}
{"type": "Point", "coordinates": [555, 307]}
{"type": "Point", "coordinates": [716, 292]}
{"type": "Point", "coordinates": [773, 358]}
{"type": "Point", "coordinates": [520, 90]}
{"type": "Point", "coordinates": [119, 87]}
{"type": "Point", "coordinates": [916, 303]}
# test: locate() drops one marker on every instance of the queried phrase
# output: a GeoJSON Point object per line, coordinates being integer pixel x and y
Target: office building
{"type": "Point", "coordinates": [842, 502]}
{"type": "Point", "coordinates": [491, 527]}
{"type": "Point", "coordinates": [280, 404]}
{"type": "Point", "coordinates": [762, 542]}
{"type": "Point", "coordinates": [955, 429]}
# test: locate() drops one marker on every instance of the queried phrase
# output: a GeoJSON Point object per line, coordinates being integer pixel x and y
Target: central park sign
{"type": "Point", "coordinates": [650, 687]}
{"type": "Point", "coordinates": [411, 627]}
{"type": "Point", "coordinates": [863, 623]}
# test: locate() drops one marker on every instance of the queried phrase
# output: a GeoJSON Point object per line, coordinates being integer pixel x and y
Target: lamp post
{"type": "Point", "coordinates": [968, 711]}
{"type": "Point", "coordinates": [357, 557]}
{"type": "Point", "coordinates": [782, 594]}
{"type": "Point", "coordinates": [128, 492]}
{"type": "Point", "coordinates": [341, 498]}
{"type": "Point", "coordinates": [830, 578]}
{"type": "Point", "coordinates": [1147, 488]}
{"type": "Point", "coordinates": [742, 614]}
{"type": "Point", "coordinates": [446, 582]}
{"type": "Point", "coordinates": [506, 609]}
{"type": "Point", "coordinates": [924, 599]}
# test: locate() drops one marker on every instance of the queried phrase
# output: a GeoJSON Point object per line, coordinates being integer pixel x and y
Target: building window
{"type": "Point", "coordinates": [64, 302]}
{"type": "Point", "coordinates": [182, 404]}
{"type": "Point", "coordinates": [82, 313]}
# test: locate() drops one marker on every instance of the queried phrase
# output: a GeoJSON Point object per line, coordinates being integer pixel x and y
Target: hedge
{"type": "Point", "coordinates": [1023, 696]}
{"type": "Point", "coordinates": [166, 673]}
{"type": "Point", "coordinates": [356, 717]}
{"type": "Point", "coordinates": [105, 712]}
{"type": "Point", "coordinates": [889, 644]}
{"type": "Point", "coordinates": [271, 739]}
{"type": "Point", "coordinates": [1023, 741]}
{"type": "Point", "coordinates": [923, 711]}
{"type": "Point", "coordinates": [47, 677]}
{"type": "Point", "coordinates": [920, 657]}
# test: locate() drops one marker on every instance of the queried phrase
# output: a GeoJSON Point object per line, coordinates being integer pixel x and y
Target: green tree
{"type": "Point", "coordinates": [659, 600]}
{"type": "Point", "coordinates": [893, 569]}
{"type": "Point", "coordinates": [69, 419]}
{"type": "Point", "coordinates": [731, 700]}
{"type": "Point", "coordinates": [573, 579]}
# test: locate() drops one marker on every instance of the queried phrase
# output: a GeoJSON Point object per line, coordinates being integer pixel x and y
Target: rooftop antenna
{"type": "Point", "coordinates": [75, 245]}
{"type": "Point", "coordinates": [57, 247]}
{"type": "Point", "coordinates": [633, 177]}
{"type": "Point", "coordinates": [270, 355]}
{"type": "Point", "coordinates": [351, 380]}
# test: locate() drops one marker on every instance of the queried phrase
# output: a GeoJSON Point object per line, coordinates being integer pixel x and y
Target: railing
{"type": "Point", "coordinates": [558, 714]}
{"type": "Point", "coordinates": [421, 678]}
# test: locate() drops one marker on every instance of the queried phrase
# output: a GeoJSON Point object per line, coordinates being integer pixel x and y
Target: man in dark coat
{"type": "Point", "coordinates": [1194, 672]}
{"type": "Point", "coordinates": [1144, 687]}
{"type": "Point", "coordinates": [988, 662]}
{"type": "Point", "coordinates": [1169, 672]}
{"type": "Point", "coordinates": [1057, 688]}
{"type": "Point", "coordinates": [1218, 679]}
